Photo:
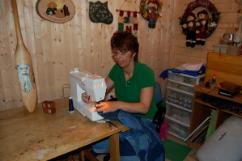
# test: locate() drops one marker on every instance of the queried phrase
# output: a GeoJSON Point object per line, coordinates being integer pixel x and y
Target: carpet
{"type": "Point", "coordinates": [175, 151]}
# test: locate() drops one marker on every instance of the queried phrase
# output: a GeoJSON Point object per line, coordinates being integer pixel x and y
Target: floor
{"type": "Point", "coordinates": [176, 151]}
{"type": "Point", "coordinates": [100, 158]}
{"type": "Point", "coordinates": [191, 157]}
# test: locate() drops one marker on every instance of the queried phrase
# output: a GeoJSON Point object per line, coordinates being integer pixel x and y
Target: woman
{"type": "Point", "coordinates": [134, 87]}
{"type": "Point", "coordinates": [133, 82]}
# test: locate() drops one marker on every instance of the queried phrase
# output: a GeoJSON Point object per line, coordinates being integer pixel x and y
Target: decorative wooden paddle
{"type": "Point", "coordinates": [24, 66]}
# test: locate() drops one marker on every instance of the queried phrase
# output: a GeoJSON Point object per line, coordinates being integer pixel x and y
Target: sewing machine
{"type": "Point", "coordinates": [93, 85]}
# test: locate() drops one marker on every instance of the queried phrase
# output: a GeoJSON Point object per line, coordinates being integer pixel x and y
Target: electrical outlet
{"type": "Point", "coordinates": [66, 90]}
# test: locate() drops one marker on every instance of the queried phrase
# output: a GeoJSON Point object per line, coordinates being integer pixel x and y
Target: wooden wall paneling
{"type": "Point", "coordinates": [42, 95]}
{"type": "Point", "coordinates": [183, 59]}
{"type": "Point", "coordinates": [166, 36]}
{"type": "Point", "coordinates": [3, 51]}
{"type": "Point", "coordinates": [84, 31]}
{"type": "Point", "coordinates": [228, 19]}
{"type": "Point", "coordinates": [146, 52]}
{"type": "Point", "coordinates": [105, 56]}
{"type": "Point", "coordinates": [58, 48]}
{"type": "Point", "coordinates": [227, 7]}
{"type": "Point", "coordinates": [91, 39]}
{"type": "Point", "coordinates": [177, 12]}
{"type": "Point", "coordinates": [102, 55]}
{"type": "Point", "coordinates": [223, 1]}
{"type": "Point", "coordinates": [78, 29]}
{"type": "Point", "coordinates": [192, 52]}
{"type": "Point", "coordinates": [43, 46]}
{"type": "Point", "coordinates": [2, 100]}
{"type": "Point", "coordinates": [49, 73]}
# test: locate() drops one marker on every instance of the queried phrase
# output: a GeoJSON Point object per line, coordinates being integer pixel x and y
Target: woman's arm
{"type": "Point", "coordinates": [137, 107]}
{"type": "Point", "coordinates": [109, 84]}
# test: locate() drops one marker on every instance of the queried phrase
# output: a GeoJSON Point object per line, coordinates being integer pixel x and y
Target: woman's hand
{"type": "Point", "coordinates": [109, 106]}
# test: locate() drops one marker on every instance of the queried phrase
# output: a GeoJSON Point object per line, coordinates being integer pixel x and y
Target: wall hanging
{"type": "Point", "coordinates": [199, 21]}
{"type": "Point", "coordinates": [24, 66]}
{"type": "Point", "coordinates": [127, 19]}
{"type": "Point", "coordinates": [59, 11]}
{"type": "Point", "coordinates": [99, 13]}
{"type": "Point", "coordinates": [151, 11]}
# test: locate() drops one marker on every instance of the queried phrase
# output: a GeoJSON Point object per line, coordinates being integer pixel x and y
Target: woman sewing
{"type": "Point", "coordinates": [134, 88]}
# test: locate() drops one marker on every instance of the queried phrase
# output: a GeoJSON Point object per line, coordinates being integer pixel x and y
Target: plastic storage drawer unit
{"type": "Point", "coordinates": [179, 98]}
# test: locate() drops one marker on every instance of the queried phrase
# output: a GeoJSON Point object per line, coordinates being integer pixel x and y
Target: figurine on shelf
{"type": "Point", "coordinates": [202, 27]}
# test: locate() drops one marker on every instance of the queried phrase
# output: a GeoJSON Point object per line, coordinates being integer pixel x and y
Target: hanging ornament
{"type": "Point", "coordinates": [99, 13]}
{"type": "Point", "coordinates": [58, 11]}
{"type": "Point", "coordinates": [127, 20]}
{"type": "Point", "coordinates": [150, 10]}
{"type": "Point", "coordinates": [199, 21]}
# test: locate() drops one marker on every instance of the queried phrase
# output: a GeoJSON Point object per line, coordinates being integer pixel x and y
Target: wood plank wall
{"type": "Point", "coordinates": [57, 48]}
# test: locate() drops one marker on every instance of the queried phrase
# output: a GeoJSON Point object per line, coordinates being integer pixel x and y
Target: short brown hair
{"type": "Point", "coordinates": [125, 41]}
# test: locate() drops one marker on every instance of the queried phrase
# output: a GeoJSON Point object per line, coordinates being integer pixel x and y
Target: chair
{"type": "Point", "coordinates": [161, 111]}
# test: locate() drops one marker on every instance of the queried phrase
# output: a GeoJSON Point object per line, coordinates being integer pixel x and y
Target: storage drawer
{"type": "Point", "coordinates": [178, 114]}
{"type": "Point", "coordinates": [177, 129]}
{"type": "Point", "coordinates": [180, 99]}
{"type": "Point", "coordinates": [181, 86]}
{"type": "Point", "coordinates": [184, 78]}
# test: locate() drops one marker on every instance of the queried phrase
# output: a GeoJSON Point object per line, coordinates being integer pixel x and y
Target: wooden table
{"type": "Point", "coordinates": [39, 136]}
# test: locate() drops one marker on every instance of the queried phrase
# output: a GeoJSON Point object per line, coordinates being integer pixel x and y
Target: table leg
{"type": "Point", "coordinates": [114, 147]}
{"type": "Point", "coordinates": [87, 154]}
{"type": "Point", "coordinates": [82, 156]}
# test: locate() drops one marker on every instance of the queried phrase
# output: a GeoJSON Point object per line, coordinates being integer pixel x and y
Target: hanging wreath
{"type": "Point", "coordinates": [199, 21]}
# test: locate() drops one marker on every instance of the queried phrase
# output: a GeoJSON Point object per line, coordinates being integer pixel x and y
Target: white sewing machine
{"type": "Point", "coordinates": [93, 85]}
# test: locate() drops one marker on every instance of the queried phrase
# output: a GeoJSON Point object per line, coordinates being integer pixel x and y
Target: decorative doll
{"type": "Point", "coordinates": [189, 27]}
{"type": "Point", "coordinates": [150, 10]}
{"type": "Point", "coordinates": [202, 27]}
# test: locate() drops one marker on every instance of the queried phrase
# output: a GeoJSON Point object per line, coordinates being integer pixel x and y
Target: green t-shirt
{"type": "Point", "coordinates": [130, 90]}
